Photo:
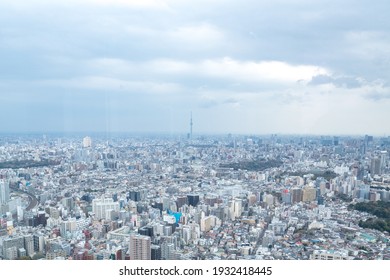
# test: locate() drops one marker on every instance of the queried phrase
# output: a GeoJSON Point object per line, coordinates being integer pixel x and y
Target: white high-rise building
{"type": "Point", "coordinates": [39, 242]}
{"type": "Point", "coordinates": [87, 142]}
{"type": "Point", "coordinates": [235, 208]}
{"type": "Point", "coordinates": [206, 223]}
{"type": "Point", "coordinates": [68, 226]}
{"type": "Point", "coordinates": [4, 191]}
{"type": "Point", "coordinates": [29, 244]}
{"type": "Point", "coordinates": [167, 251]}
{"type": "Point", "coordinates": [100, 207]}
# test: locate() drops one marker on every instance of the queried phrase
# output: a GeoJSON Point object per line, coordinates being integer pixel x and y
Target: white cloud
{"type": "Point", "coordinates": [253, 71]}
{"type": "Point", "coordinates": [241, 72]}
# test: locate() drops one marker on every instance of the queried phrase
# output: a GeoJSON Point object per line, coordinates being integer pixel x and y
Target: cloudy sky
{"type": "Point", "coordinates": [250, 66]}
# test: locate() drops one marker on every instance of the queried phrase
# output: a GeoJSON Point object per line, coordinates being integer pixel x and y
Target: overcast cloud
{"type": "Point", "coordinates": [258, 67]}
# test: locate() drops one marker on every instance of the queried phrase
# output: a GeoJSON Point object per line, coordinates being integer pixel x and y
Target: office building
{"type": "Point", "coordinates": [135, 195]}
{"type": "Point", "coordinates": [309, 194]}
{"type": "Point", "coordinates": [296, 195]}
{"type": "Point", "coordinates": [101, 208]}
{"type": "Point", "coordinates": [155, 252]}
{"type": "Point", "coordinates": [29, 244]}
{"type": "Point", "coordinates": [375, 168]}
{"type": "Point", "coordinates": [193, 199]}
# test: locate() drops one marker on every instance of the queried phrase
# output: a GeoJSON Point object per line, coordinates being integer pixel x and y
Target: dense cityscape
{"type": "Point", "coordinates": [172, 197]}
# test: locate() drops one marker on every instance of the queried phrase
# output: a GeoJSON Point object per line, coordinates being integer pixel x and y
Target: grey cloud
{"type": "Point", "coordinates": [321, 79]}
{"type": "Point", "coordinates": [346, 82]}
{"type": "Point", "coordinates": [211, 102]}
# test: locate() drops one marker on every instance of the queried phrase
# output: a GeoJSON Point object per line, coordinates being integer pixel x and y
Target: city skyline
{"type": "Point", "coordinates": [286, 67]}
{"type": "Point", "coordinates": [214, 198]}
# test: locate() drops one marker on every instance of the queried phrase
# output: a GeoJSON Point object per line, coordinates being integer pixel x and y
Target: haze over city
{"type": "Point", "coordinates": [258, 67]}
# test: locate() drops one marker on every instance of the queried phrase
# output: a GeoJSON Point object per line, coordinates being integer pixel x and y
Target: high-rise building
{"type": "Point", "coordinates": [68, 202]}
{"type": "Point", "coordinates": [29, 244]}
{"type": "Point", "coordinates": [193, 199]}
{"type": "Point", "coordinates": [207, 223]}
{"type": "Point", "coordinates": [167, 251]}
{"type": "Point", "coordinates": [39, 242]}
{"type": "Point", "coordinates": [155, 252]}
{"type": "Point", "coordinates": [296, 195]}
{"type": "Point", "coordinates": [383, 162]}
{"type": "Point", "coordinates": [135, 195]}
{"type": "Point", "coordinates": [309, 194]}
{"type": "Point", "coordinates": [286, 196]}
{"type": "Point", "coordinates": [68, 226]}
{"type": "Point", "coordinates": [140, 247]}
{"type": "Point", "coordinates": [4, 191]}
{"type": "Point", "coordinates": [237, 207]}
{"type": "Point", "coordinates": [375, 168]}
{"type": "Point", "coordinates": [268, 199]}
{"type": "Point", "coordinates": [101, 208]}
{"type": "Point", "coordinates": [87, 142]}
{"type": "Point", "coordinates": [180, 201]}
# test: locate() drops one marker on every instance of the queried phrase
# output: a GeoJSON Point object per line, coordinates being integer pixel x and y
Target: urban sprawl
{"type": "Point", "coordinates": [192, 198]}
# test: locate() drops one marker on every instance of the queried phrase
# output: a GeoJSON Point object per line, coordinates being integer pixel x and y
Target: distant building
{"type": "Point", "coordinates": [383, 161]}
{"type": "Point", "coordinates": [135, 195]}
{"type": "Point", "coordinates": [87, 142]}
{"type": "Point", "coordinates": [286, 196]}
{"type": "Point", "coordinates": [4, 191]}
{"type": "Point", "coordinates": [375, 167]}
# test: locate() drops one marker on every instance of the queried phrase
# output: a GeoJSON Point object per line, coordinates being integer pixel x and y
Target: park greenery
{"type": "Point", "coordinates": [253, 165]}
{"type": "Point", "coordinates": [16, 164]}
{"type": "Point", "coordinates": [381, 209]}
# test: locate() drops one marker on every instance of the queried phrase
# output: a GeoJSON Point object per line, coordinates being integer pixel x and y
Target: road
{"type": "Point", "coordinates": [33, 202]}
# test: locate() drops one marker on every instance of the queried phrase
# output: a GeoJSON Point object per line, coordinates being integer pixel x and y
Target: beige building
{"type": "Point", "coordinates": [140, 247]}
{"type": "Point", "coordinates": [309, 194]}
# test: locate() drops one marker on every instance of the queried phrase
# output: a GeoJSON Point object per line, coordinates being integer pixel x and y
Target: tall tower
{"type": "Point", "coordinates": [191, 123]}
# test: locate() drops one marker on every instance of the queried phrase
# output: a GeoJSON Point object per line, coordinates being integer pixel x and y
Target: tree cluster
{"type": "Point", "coordinates": [255, 165]}
{"type": "Point", "coordinates": [381, 209]}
